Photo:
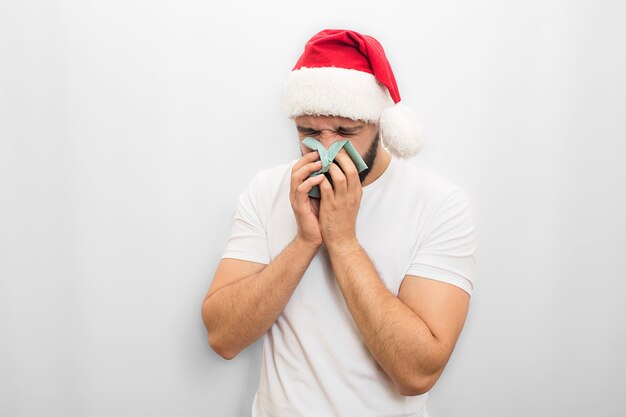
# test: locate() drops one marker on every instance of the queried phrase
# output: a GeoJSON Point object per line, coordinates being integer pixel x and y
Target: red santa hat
{"type": "Point", "coordinates": [344, 73]}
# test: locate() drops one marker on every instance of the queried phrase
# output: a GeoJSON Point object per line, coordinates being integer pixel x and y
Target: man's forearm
{"type": "Point", "coordinates": [238, 314]}
{"type": "Point", "coordinates": [397, 337]}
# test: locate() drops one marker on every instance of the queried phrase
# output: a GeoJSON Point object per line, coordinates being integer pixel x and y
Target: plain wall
{"type": "Point", "coordinates": [129, 128]}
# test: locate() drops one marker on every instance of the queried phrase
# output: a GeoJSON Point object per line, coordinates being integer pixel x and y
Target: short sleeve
{"type": "Point", "coordinates": [248, 234]}
{"type": "Point", "coordinates": [447, 252]}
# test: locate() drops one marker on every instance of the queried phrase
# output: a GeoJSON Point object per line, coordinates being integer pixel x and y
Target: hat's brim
{"type": "Point", "coordinates": [332, 91]}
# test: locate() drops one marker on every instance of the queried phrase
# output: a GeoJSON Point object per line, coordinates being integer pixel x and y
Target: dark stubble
{"type": "Point", "coordinates": [370, 157]}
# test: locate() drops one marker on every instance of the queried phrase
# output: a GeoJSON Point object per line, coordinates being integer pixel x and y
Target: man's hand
{"type": "Point", "coordinates": [306, 213]}
{"type": "Point", "coordinates": [339, 206]}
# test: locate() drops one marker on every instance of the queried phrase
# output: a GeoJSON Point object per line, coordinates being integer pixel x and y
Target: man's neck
{"type": "Point", "coordinates": [380, 166]}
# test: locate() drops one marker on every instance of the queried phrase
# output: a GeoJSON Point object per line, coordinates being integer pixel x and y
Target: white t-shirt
{"type": "Point", "coordinates": [315, 362]}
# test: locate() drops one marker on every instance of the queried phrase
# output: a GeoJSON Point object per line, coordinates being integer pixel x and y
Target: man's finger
{"type": "Point", "coordinates": [340, 184]}
{"type": "Point", "coordinates": [306, 158]}
{"type": "Point", "coordinates": [302, 191]}
{"type": "Point", "coordinates": [349, 170]}
{"type": "Point", "coordinates": [301, 175]}
{"type": "Point", "coordinates": [326, 191]}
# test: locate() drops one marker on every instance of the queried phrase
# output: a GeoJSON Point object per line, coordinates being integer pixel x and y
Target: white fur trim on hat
{"type": "Point", "coordinates": [401, 131]}
{"type": "Point", "coordinates": [331, 91]}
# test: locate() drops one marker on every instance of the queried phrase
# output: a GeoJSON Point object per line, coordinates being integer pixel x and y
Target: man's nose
{"type": "Point", "coordinates": [328, 137]}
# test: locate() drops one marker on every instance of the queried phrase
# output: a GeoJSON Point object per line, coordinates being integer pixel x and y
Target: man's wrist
{"type": "Point", "coordinates": [306, 246]}
{"type": "Point", "coordinates": [343, 247]}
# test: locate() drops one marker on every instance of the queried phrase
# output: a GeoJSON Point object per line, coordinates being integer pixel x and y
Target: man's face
{"type": "Point", "coordinates": [329, 129]}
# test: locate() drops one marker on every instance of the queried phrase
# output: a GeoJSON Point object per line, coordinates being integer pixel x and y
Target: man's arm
{"type": "Point", "coordinates": [237, 314]}
{"type": "Point", "coordinates": [411, 336]}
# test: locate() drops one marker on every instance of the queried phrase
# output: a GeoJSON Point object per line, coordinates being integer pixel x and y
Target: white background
{"type": "Point", "coordinates": [129, 128]}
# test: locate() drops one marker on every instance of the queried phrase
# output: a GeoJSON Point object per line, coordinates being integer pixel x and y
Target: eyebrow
{"type": "Point", "coordinates": [351, 129]}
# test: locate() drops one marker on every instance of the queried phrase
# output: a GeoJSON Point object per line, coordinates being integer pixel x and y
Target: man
{"type": "Point", "coordinates": [360, 295]}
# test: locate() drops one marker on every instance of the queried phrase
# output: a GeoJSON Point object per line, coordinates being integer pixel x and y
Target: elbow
{"type": "Point", "coordinates": [213, 339]}
{"type": "Point", "coordinates": [420, 387]}
{"type": "Point", "coordinates": [420, 382]}
{"type": "Point", "coordinates": [413, 390]}
{"type": "Point", "coordinates": [225, 354]}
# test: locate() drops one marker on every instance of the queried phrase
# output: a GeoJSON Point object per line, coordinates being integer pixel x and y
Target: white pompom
{"type": "Point", "coordinates": [401, 131]}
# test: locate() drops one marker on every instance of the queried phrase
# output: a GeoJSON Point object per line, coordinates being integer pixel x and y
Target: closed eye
{"type": "Point", "coordinates": [344, 133]}
{"type": "Point", "coordinates": [308, 132]}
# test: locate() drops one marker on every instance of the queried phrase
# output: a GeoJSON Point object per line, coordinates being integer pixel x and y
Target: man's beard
{"type": "Point", "coordinates": [369, 158]}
